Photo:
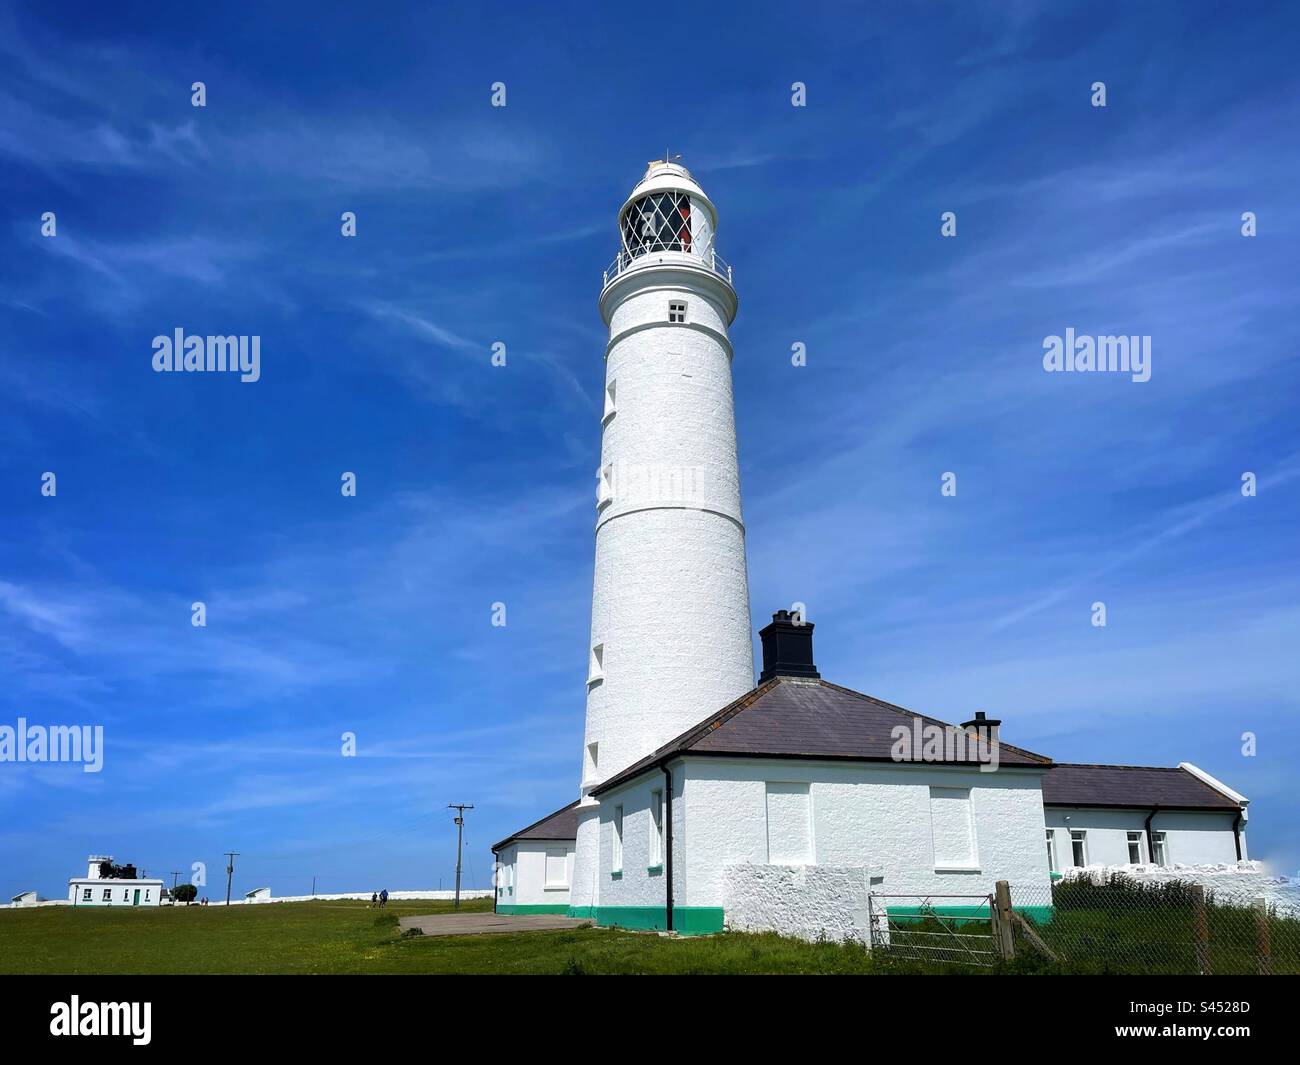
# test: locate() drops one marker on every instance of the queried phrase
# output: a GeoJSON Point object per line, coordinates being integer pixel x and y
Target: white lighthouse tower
{"type": "Point", "coordinates": [670, 631]}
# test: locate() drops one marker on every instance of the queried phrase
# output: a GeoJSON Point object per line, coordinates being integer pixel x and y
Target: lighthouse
{"type": "Point", "coordinates": [670, 628]}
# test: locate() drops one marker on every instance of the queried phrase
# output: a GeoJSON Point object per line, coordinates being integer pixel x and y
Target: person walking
{"type": "Point", "coordinates": [383, 898]}
{"type": "Point", "coordinates": [374, 899]}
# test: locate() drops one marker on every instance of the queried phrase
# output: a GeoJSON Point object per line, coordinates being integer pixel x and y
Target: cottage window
{"type": "Point", "coordinates": [789, 823]}
{"type": "Point", "coordinates": [616, 851]}
{"type": "Point", "coordinates": [1135, 848]}
{"type": "Point", "coordinates": [656, 829]}
{"type": "Point", "coordinates": [952, 829]}
{"type": "Point", "coordinates": [1079, 846]}
{"type": "Point", "coordinates": [108, 895]}
{"type": "Point", "coordinates": [557, 869]}
{"type": "Point", "coordinates": [1161, 856]}
{"type": "Point", "coordinates": [1051, 850]}
{"type": "Point", "coordinates": [85, 895]}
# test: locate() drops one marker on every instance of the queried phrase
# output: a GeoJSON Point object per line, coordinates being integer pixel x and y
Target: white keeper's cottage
{"type": "Point", "coordinates": [711, 800]}
{"type": "Point", "coordinates": [98, 889]}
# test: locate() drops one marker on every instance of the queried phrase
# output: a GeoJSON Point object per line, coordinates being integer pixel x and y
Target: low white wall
{"type": "Point", "coordinates": [809, 902]}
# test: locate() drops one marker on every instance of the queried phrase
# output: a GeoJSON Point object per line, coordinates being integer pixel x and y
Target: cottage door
{"type": "Point", "coordinates": [137, 898]}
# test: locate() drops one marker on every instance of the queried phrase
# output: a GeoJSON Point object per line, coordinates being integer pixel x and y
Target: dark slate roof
{"type": "Point", "coordinates": [563, 824]}
{"type": "Point", "coordinates": [796, 718]}
{"type": "Point", "coordinates": [1130, 786]}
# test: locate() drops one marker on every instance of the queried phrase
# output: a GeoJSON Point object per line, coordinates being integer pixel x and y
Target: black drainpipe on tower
{"type": "Point", "coordinates": [668, 843]}
{"type": "Point", "coordinates": [1151, 843]}
{"type": "Point", "coordinates": [1236, 833]}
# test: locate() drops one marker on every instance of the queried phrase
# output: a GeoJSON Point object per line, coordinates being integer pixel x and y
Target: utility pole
{"type": "Point", "coordinates": [230, 870]}
{"type": "Point", "coordinates": [460, 808]}
{"type": "Point", "coordinates": [175, 873]}
{"type": "Point", "coordinates": [313, 887]}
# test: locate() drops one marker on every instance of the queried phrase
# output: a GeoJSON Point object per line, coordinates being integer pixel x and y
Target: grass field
{"type": "Point", "coordinates": [349, 937]}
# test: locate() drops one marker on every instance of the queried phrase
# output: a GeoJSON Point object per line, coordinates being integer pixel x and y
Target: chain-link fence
{"type": "Point", "coordinates": [1118, 924]}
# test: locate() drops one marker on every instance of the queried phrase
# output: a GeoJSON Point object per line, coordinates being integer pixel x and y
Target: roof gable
{"type": "Point", "coordinates": [563, 824]}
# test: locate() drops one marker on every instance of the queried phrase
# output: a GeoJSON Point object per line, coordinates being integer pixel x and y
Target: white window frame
{"type": "Point", "coordinates": [1051, 851]}
{"type": "Point", "coordinates": [85, 895]}
{"type": "Point", "coordinates": [548, 883]}
{"type": "Point", "coordinates": [108, 895]}
{"type": "Point", "coordinates": [616, 841]}
{"type": "Point", "coordinates": [945, 864]}
{"type": "Point", "coordinates": [656, 848]}
{"type": "Point", "coordinates": [1079, 836]}
{"type": "Point", "coordinates": [605, 489]}
{"type": "Point", "coordinates": [1134, 840]}
{"type": "Point", "coordinates": [611, 402]}
{"type": "Point", "coordinates": [1161, 841]}
{"type": "Point", "coordinates": [597, 665]}
{"type": "Point", "coordinates": [677, 312]}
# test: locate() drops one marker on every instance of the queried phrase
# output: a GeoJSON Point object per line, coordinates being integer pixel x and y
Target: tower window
{"type": "Point", "coordinates": [605, 489]}
{"type": "Point", "coordinates": [609, 401]}
{"type": "Point", "coordinates": [593, 761]}
{"type": "Point", "coordinates": [597, 671]}
{"type": "Point", "coordinates": [677, 311]}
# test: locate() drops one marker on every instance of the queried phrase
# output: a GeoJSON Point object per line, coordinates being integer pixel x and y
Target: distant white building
{"type": "Point", "coordinates": [258, 894]}
{"type": "Point", "coordinates": [26, 898]}
{"type": "Point", "coordinates": [95, 889]}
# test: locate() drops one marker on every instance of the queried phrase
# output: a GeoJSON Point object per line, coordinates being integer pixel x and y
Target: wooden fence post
{"type": "Point", "coordinates": [1201, 930]}
{"type": "Point", "coordinates": [1263, 955]}
{"type": "Point", "coordinates": [1002, 933]}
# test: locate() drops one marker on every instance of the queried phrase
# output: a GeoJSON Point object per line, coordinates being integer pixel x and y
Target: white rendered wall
{"type": "Point", "coordinates": [1191, 837]}
{"type": "Point", "coordinates": [527, 860]}
{"type": "Point", "coordinates": [870, 815]}
{"type": "Point", "coordinates": [670, 603]}
{"type": "Point", "coordinates": [638, 885]}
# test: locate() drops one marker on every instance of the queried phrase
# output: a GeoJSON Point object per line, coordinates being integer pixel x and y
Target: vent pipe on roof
{"type": "Point", "coordinates": [787, 647]}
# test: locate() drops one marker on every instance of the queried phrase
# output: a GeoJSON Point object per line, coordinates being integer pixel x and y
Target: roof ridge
{"type": "Point", "coordinates": [926, 717]}
{"type": "Point", "coordinates": [1116, 765]}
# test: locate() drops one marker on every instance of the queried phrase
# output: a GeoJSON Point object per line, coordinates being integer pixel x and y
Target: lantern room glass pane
{"type": "Point", "coordinates": [660, 221]}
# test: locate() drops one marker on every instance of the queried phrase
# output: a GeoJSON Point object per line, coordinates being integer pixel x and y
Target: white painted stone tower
{"type": "Point", "coordinates": [670, 631]}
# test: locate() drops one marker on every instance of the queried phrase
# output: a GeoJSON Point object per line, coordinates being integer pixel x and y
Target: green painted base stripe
{"type": "Point", "coordinates": [687, 920]}
{"type": "Point", "coordinates": [963, 914]}
{"type": "Point", "coordinates": [509, 910]}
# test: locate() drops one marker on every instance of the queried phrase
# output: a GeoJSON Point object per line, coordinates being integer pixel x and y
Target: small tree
{"type": "Point", "coordinates": [184, 892]}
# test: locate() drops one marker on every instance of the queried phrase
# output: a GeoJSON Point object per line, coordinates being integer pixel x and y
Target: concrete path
{"type": "Point", "coordinates": [470, 924]}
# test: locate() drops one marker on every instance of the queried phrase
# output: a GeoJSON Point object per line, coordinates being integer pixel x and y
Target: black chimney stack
{"type": "Point", "coordinates": [787, 647]}
{"type": "Point", "coordinates": [979, 721]}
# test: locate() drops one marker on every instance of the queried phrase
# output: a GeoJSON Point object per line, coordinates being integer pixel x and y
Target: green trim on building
{"type": "Point", "coordinates": [617, 874]}
{"type": "Point", "coordinates": [512, 910]}
{"type": "Point", "coordinates": [654, 870]}
{"type": "Point", "coordinates": [687, 920]}
{"type": "Point", "coordinates": [964, 914]}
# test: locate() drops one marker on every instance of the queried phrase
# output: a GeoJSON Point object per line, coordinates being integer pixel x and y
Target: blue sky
{"type": "Point", "coordinates": [476, 484]}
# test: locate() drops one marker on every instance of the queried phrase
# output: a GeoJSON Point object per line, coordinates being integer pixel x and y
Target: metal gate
{"type": "Point", "coordinates": [954, 929]}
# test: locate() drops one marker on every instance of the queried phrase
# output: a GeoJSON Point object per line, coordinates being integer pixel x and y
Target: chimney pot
{"type": "Point", "coordinates": [787, 648]}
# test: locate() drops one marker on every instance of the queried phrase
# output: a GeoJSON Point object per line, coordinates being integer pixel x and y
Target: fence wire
{"type": "Point", "coordinates": [1118, 924]}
